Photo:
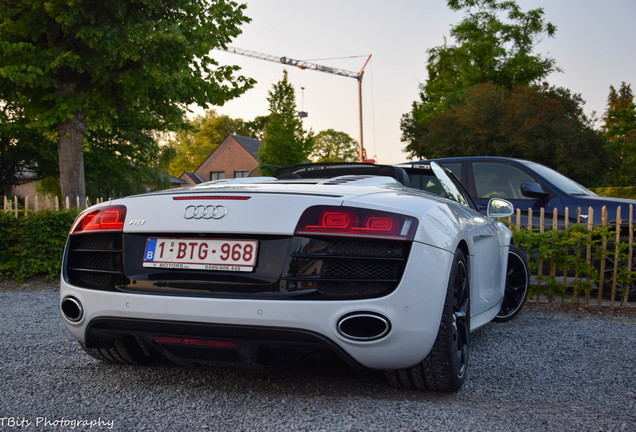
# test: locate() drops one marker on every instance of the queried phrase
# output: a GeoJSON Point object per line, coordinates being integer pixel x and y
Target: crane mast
{"type": "Point", "coordinates": [316, 67]}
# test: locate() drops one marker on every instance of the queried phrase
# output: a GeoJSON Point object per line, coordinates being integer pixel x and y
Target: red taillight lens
{"type": "Point", "coordinates": [104, 219]}
{"type": "Point", "coordinates": [336, 219]}
{"type": "Point", "coordinates": [380, 223]}
{"type": "Point", "coordinates": [355, 222]}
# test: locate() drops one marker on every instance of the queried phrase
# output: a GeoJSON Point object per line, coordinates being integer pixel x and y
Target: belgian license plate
{"type": "Point", "coordinates": [201, 254]}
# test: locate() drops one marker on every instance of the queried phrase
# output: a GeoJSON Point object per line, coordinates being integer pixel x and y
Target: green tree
{"type": "Point", "coordinates": [256, 127]}
{"type": "Point", "coordinates": [285, 142]}
{"type": "Point", "coordinates": [619, 130]}
{"type": "Point", "coordinates": [25, 154]}
{"type": "Point", "coordinates": [201, 137]}
{"type": "Point", "coordinates": [483, 96]}
{"type": "Point", "coordinates": [75, 67]}
{"type": "Point", "coordinates": [334, 146]}
{"type": "Point", "coordinates": [539, 123]}
{"type": "Point", "coordinates": [110, 172]}
{"type": "Point", "coordinates": [124, 162]}
{"type": "Point", "coordinates": [495, 43]}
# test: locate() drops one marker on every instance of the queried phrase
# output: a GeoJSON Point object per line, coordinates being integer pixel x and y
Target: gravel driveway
{"type": "Point", "coordinates": [544, 371]}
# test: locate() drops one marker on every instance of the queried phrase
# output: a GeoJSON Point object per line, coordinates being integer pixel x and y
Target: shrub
{"type": "Point", "coordinates": [33, 244]}
{"type": "Point", "coordinates": [617, 192]}
{"type": "Point", "coordinates": [577, 252]}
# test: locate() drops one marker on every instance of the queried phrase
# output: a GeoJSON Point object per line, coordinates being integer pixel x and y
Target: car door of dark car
{"type": "Point", "coordinates": [493, 179]}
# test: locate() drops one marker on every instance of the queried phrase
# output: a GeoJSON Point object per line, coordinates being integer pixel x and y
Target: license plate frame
{"type": "Point", "coordinates": [175, 253]}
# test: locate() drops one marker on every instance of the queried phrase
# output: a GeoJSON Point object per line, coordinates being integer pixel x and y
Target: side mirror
{"type": "Point", "coordinates": [499, 208]}
{"type": "Point", "coordinates": [533, 190]}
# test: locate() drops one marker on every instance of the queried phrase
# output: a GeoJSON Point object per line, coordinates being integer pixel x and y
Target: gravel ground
{"type": "Point", "coordinates": [544, 371]}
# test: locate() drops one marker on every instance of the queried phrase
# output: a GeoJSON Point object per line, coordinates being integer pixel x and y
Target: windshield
{"type": "Point", "coordinates": [452, 190]}
{"type": "Point", "coordinates": [438, 181]}
{"type": "Point", "coordinates": [565, 184]}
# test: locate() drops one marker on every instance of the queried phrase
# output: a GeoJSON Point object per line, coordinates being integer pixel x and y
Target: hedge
{"type": "Point", "coordinates": [576, 261]}
{"type": "Point", "coordinates": [617, 192]}
{"type": "Point", "coordinates": [33, 244]}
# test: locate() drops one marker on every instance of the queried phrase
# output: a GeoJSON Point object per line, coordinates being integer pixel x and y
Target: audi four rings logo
{"type": "Point", "coordinates": [204, 212]}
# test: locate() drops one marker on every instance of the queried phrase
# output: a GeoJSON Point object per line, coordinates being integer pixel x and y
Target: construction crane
{"type": "Point", "coordinates": [313, 66]}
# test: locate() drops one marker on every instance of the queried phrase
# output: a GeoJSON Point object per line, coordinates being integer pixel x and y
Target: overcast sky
{"type": "Point", "coordinates": [595, 45]}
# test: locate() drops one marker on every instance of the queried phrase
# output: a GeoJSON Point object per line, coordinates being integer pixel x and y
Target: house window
{"type": "Point", "coordinates": [217, 175]}
{"type": "Point", "coordinates": [240, 174]}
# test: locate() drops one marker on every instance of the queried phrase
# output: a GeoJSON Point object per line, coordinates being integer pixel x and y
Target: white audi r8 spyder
{"type": "Point", "coordinates": [340, 258]}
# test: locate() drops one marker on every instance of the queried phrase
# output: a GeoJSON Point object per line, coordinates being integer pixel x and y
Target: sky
{"type": "Point", "coordinates": [595, 46]}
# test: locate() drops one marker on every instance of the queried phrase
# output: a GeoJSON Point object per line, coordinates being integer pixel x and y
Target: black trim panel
{"type": "Point", "coordinates": [101, 332]}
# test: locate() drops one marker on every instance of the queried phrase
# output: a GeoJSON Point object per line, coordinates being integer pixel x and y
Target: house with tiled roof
{"type": "Point", "coordinates": [235, 157]}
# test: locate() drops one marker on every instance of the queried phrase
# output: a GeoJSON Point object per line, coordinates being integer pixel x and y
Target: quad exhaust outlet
{"type": "Point", "coordinates": [364, 326]}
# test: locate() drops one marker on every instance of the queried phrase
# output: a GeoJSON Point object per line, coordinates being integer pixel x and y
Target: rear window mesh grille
{"type": "Point", "coordinates": [362, 247]}
{"type": "Point", "coordinates": [362, 270]}
{"type": "Point", "coordinates": [95, 261]}
{"type": "Point", "coordinates": [346, 268]}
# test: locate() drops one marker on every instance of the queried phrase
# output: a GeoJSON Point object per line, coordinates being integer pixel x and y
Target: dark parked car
{"type": "Point", "coordinates": [528, 185]}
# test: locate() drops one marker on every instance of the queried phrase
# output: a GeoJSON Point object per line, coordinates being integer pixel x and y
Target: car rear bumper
{"type": "Point", "coordinates": [413, 312]}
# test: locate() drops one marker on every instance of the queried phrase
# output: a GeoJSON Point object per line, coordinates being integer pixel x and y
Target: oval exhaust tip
{"type": "Point", "coordinates": [364, 326]}
{"type": "Point", "coordinates": [72, 309]}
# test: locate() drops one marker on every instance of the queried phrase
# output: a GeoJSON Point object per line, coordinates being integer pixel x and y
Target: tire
{"type": "Point", "coordinates": [124, 351]}
{"type": "Point", "coordinates": [444, 368]}
{"type": "Point", "coordinates": [517, 285]}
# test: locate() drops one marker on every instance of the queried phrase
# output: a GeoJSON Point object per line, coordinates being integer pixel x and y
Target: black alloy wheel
{"type": "Point", "coordinates": [445, 366]}
{"type": "Point", "coordinates": [517, 285]}
{"type": "Point", "coordinates": [461, 319]}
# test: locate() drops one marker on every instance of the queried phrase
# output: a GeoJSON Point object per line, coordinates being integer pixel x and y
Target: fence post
{"type": "Point", "coordinates": [630, 250]}
{"type": "Point", "coordinates": [616, 255]}
{"type": "Point", "coordinates": [601, 280]}
{"type": "Point", "coordinates": [540, 263]}
{"type": "Point", "coordinates": [566, 223]}
{"type": "Point", "coordinates": [555, 227]}
{"type": "Point", "coordinates": [15, 205]}
{"type": "Point", "coordinates": [588, 250]}
{"type": "Point", "coordinates": [575, 297]}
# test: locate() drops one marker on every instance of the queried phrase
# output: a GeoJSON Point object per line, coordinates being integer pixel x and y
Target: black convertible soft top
{"type": "Point", "coordinates": [337, 169]}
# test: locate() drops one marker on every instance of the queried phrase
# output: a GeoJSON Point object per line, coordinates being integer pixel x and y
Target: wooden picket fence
{"type": "Point", "coordinates": [614, 258]}
{"type": "Point", "coordinates": [607, 279]}
{"type": "Point", "coordinates": [13, 204]}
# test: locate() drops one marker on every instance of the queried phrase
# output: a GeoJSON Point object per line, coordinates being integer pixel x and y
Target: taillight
{"type": "Point", "coordinates": [355, 222]}
{"type": "Point", "coordinates": [104, 219]}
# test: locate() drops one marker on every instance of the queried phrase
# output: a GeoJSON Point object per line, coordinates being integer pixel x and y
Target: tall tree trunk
{"type": "Point", "coordinates": [71, 158]}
